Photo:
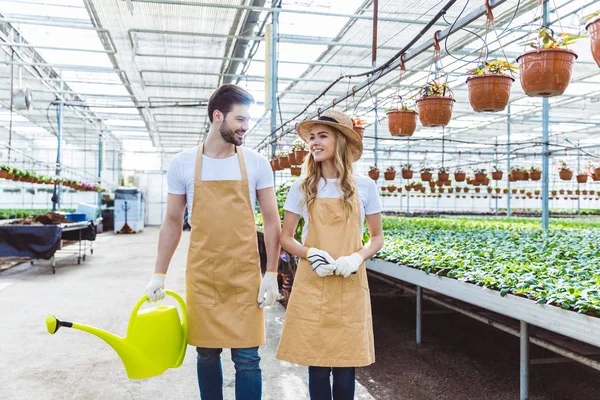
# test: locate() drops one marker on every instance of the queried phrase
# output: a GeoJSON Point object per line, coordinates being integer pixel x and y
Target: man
{"type": "Point", "coordinates": [220, 182]}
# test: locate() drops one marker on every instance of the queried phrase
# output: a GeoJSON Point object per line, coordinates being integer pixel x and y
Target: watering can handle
{"type": "Point", "coordinates": [183, 318]}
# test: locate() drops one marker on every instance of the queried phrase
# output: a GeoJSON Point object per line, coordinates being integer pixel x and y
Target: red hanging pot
{"type": "Point", "coordinates": [546, 72]}
{"type": "Point", "coordinates": [374, 174]}
{"type": "Point", "coordinates": [489, 92]}
{"type": "Point", "coordinates": [435, 111]}
{"type": "Point", "coordinates": [593, 29]}
{"type": "Point", "coordinates": [300, 155]}
{"type": "Point", "coordinates": [402, 122]}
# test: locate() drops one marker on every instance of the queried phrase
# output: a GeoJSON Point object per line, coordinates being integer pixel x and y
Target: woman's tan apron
{"type": "Point", "coordinates": [223, 266]}
{"type": "Point", "coordinates": [328, 320]}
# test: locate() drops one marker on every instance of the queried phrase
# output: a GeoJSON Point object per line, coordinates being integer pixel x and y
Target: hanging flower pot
{"type": "Point", "coordinates": [459, 175]}
{"type": "Point", "coordinates": [480, 176]}
{"type": "Point", "coordinates": [373, 173]}
{"type": "Point", "coordinates": [447, 182]}
{"type": "Point", "coordinates": [275, 164]}
{"type": "Point", "coordinates": [593, 28]}
{"type": "Point", "coordinates": [300, 155]}
{"type": "Point", "coordinates": [435, 111]}
{"type": "Point", "coordinates": [292, 158]}
{"type": "Point", "coordinates": [582, 178]}
{"type": "Point", "coordinates": [535, 174]}
{"type": "Point", "coordinates": [489, 92]}
{"type": "Point", "coordinates": [296, 171]}
{"type": "Point", "coordinates": [3, 173]}
{"type": "Point", "coordinates": [546, 72]}
{"type": "Point", "coordinates": [402, 122]}
{"type": "Point", "coordinates": [426, 174]}
{"type": "Point", "coordinates": [443, 176]}
{"type": "Point", "coordinates": [390, 173]}
{"type": "Point", "coordinates": [439, 183]}
{"type": "Point", "coordinates": [284, 162]}
{"type": "Point", "coordinates": [391, 188]}
{"type": "Point", "coordinates": [407, 173]}
{"type": "Point", "coordinates": [497, 175]}
{"type": "Point", "coordinates": [360, 130]}
{"type": "Point", "coordinates": [565, 174]}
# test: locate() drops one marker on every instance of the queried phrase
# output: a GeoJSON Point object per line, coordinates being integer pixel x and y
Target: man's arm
{"type": "Point", "coordinates": [170, 231]}
{"type": "Point", "coordinates": [271, 225]}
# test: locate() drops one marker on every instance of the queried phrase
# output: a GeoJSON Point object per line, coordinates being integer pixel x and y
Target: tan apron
{"type": "Point", "coordinates": [328, 320]}
{"type": "Point", "coordinates": [223, 266]}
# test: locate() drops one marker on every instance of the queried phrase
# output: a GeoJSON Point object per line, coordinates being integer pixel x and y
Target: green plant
{"type": "Point", "coordinates": [443, 170]}
{"type": "Point", "coordinates": [299, 144]}
{"type": "Point", "coordinates": [591, 16]}
{"type": "Point", "coordinates": [562, 166]}
{"type": "Point", "coordinates": [373, 168]}
{"type": "Point", "coordinates": [496, 168]}
{"type": "Point", "coordinates": [479, 171]}
{"type": "Point", "coordinates": [406, 167]}
{"type": "Point", "coordinates": [494, 67]}
{"type": "Point", "coordinates": [391, 168]}
{"type": "Point", "coordinates": [547, 39]}
{"type": "Point", "coordinates": [426, 170]}
{"type": "Point", "coordinates": [435, 89]}
{"type": "Point", "coordinates": [459, 170]}
{"type": "Point", "coordinates": [535, 169]}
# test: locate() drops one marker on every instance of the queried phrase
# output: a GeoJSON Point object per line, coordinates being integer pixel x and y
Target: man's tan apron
{"type": "Point", "coordinates": [223, 266]}
{"type": "Point", "coordinates": [328, 320]}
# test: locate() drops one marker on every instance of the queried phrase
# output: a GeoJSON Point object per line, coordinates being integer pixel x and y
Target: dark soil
{"type": "Point", "coordinates": [459, 358]}
{"type": "Point", "coordinates": [49, 218]}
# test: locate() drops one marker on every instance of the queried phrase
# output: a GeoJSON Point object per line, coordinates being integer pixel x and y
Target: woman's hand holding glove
{"type": "Point", "coordinates": [321, 261]}
{"type": "Point", "coordinates": [348, 264]}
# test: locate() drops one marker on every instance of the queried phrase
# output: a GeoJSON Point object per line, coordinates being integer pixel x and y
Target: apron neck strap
{"type": "Point", "coordinates": [238, 150]}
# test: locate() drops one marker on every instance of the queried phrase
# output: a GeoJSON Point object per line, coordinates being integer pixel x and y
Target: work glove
{"type": "Point", "coordinates": [269, 289]}
{"type": "Point", "coordinates": [321, 261]}
{"type": "Point", "coordinates": [156, 287]}
{"type": "Point", "coordinates": [348, 264]}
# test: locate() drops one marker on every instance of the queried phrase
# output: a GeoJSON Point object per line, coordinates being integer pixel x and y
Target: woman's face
{"type": "Point", "coordinates": [321, 142]}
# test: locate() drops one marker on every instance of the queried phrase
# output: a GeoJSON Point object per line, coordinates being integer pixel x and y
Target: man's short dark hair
{"type": "Point", "coordinates": [225, 97]}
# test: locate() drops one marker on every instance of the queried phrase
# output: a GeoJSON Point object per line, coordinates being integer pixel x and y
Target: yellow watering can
{"type": "Point", "coordinates": [156, 339]}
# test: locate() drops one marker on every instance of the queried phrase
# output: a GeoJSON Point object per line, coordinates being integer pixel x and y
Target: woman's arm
{"type": "Point", "coordinates": [288, 242]}
{"type": "Point", "coordinates": [376, 242]}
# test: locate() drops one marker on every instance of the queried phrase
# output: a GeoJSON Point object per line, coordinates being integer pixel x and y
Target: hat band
{"type": "Point", "coordinates": [328, 119]}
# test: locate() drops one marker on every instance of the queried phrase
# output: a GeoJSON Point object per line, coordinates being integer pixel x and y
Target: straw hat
{"type": "Point", "coordinates": [342, 123]}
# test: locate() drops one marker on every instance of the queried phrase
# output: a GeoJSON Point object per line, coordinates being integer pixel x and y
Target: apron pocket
{"type": "Point", "coordinates": [356, 302]}
{"type": "Point", "coordinates": [247, 281]}
{"type": "Point", "coordinates": [305, 301]}
{"type": "Point", "coordinates": [200, 282]}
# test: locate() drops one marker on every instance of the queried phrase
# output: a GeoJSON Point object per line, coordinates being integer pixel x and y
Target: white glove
{"type": "Point", "coordinates": [321, 261]}
{"type": "Point", "coordinates": [156, 287]}
{"type": "Point", "coordinates": [269, 289]}
{"type": "Point", "coordinates": [348, 264]}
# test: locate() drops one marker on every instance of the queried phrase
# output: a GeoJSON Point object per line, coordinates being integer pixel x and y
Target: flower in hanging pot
{"type": "Point", "coordinates": [443, 174]}
{"type": "Point", "coordinates": [593, 28]}
{"type": "Point", "coordinates": [435, 104]}
{"type": "Point", "coordinates": [535, 174]}
{"type": "Point", "coordinates": [582, 177]}
{"type": "Point", "coordinates": [546, 71]}
{"type": "Point", "coordinates": [426, 174]}
{"type": "Point", "coordinates": [480, 175]}
{"type": "Point", "coordinates": [459, 175]}
{"type": "Point", "coordinates": [407, 172]}
{"type": "Point", "coordinates": [390, 173]}
{"type": "Point", "coordinates": [516, 174]}
{"type": "Point", "coordinates": [497, 173]}
{"type": "Point", "coordinates": [300, 149]}
{"type": "Point", "coordinates": [564, 171]}
{"type": "Point", "coordinates": [489, 86]}
{"type": "Point", "coordinates": [402, 121]}
{"type": "Point", "coordinates": [373, 172]}
{"type": "Point", "coordinates": [359, 126]}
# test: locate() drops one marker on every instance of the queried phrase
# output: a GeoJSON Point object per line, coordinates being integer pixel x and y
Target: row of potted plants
{"type": "Point", "coordinates": [291, 159]}
{"type": "Point", "coordinates": [15, 174]}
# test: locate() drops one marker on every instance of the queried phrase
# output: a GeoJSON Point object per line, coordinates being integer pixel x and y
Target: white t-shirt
{"type": "Point", "coordinates": [180, 175]}
{"type": "Point", "coordinates": [367, 193]}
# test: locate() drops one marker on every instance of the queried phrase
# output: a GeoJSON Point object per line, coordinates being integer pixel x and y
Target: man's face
{"type": "Point", "coordinates": [236, 124]}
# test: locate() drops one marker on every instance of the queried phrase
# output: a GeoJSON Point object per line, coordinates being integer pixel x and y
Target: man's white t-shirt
{"type": "Point", "coordinates": [367, 194]}
{"type": "Point", "coordinates": [180, 175]}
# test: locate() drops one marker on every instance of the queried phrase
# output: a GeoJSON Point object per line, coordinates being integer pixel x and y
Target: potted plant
{"type": "Point", "coordinates": [564, 171]}
{"type": "Point", "coordinates": [466, 189]}
{"type": "Point", "coordinates": [516, 173]}
{"type": "Point", "coordinates": [535, 174]}
{"type": "Point", "coordinates": [402, 121]}
{"type": "Point", "coordinates": [383, 188]}
{"type": "Point", "coordinates": [582, 177]}
{"type": "Point", "coordinates": [442, 189]}
{"type": "Point", "coordinates": [554, 192]}
{"type": "Point", "coordinates": [458, 189]}
{"type": "Point", "coordinates": [459, 175]}
{"type": "Point", "coordinates": [431, 182]}
{"type": "Point", "coordinates": [407, 172]}
{"type": "Point", "coordinates": [4, 171]}
{"type": "Point", "coordinates": [497, 190]}
{"type": "Point", "coordinates": [391, 188]}
{"type": "Point", "coordinates": [284, 161]}
{"type": "Point", "coordinates": [480, 175]}
{"type": "Point", "coordinates": [477, 189]}
{"type": "Point", "coordinates": [489, 86]}
{"type": "Point", "coordinates": [578, 192]}
{"type": "Point", "coordinates": [505, 190]}
{"type": "Point", "coordinates": [513, 191]}
{"type": "Point", "coordinates": [489, 189]}
{"type": "Point", "coordinates": [443, 174]}
{"type": "Point", "coordinates": [451, 190]}
{"type": "Point", "coordinates": [447, 182]}
{"type": "Point", "coordinates": [300, 150]}
{"type": "Point", "coordinates": [537, 192]}
{"type": "Point", "coordinates": [593, 28]}
{"type": "Point", "coordinates": [373, 172]}
{"type": "Point", "coordinates": [546, 71]}
{"type": "Point", "coordinates": [296, 170]}
{"type": "Point", "coordinates": [358, 126]}
{"type": "Point", "coordinates": [497, 173]}
{"type": "Point", "coordinates": [435, 104]}
{"type": "Point", "coordinates": [522, 191]}
{"type": "Point", "coordinates": [390, 173]}
{"type": "Point", "coordinates": [275, 164]}
{"type": "Point", "coordinates": [569, 191]}
{"type": "Point", "coordinates": [584, 192]}
{"type": "Point", "coordinates": [561, 191]}
{"type": "Point", "coordinates": [426, 174]}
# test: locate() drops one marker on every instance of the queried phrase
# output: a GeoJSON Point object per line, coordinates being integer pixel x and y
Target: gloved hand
{"type": "Point", "coordinates": [269, 289]}
{"type": "Point", "coordinates": [321, 261]}
{"type": "Point", "coordinates": [156, 287]}
{"type": "Point", "coordinates": [348, 264]}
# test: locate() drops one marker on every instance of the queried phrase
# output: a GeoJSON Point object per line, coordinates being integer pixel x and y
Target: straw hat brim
{"type": "Point", "coordinates": [354, 141]}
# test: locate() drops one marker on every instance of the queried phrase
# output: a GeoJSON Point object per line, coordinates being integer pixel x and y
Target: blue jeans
{"type": "Point", "coordinates": [319, 384]}
{"type": "Point", "coordinates": [248, 378]}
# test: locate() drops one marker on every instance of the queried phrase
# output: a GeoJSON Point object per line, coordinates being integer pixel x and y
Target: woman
{"type": "Point", "coordinates": [328, 324]}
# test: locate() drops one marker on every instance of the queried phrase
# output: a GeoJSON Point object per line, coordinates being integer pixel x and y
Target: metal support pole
{"type": "Point", "coordinates": [508, 160]}
{"type": "Point", "coordinates": [408, 192]}
{"type": "Point", "coordinates": [419, 312]}
{"type": "Point", "coordinates": [524, 361]}
{"type": "Point", "coordinates": [100, 169]}
{"type": "Point", "coordinates": [578, 186]}
{"type": "Point", "coordinates": [376, 128]}
{"type": "Point", "coordinates": [58, 188]}
{"type": "Point", "coordinates": [374, 46]}
{"type": "Point", "coordinates": [273, 78]}
{"type": "Point", "coordinates": [545, 139]}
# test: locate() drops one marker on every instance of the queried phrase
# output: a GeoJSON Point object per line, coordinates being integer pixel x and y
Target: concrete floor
{"type": "Point", "coordinates": [101, 292]}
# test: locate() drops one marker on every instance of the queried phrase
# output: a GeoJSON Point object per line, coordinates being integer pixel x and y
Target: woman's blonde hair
{"type": "Point", "coordinates": [313, 172]}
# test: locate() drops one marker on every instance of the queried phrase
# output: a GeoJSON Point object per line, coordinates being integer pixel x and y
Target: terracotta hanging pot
{"type": "Point", "coordinates": [407, 174]}
{"type": "Point", "coordinates": [284, 162]}
{"type": "Point", "coordinates": [3, 174]}
{"type": "Point", "coordinates": [582, 178]}
{"type": "Point", "coordinates": [443, 176]}
{"type": "Point", "coordinates": [546, 72]}
{"type": "Point", "coordinates": [426, 176]}
{"type": "Point", "coordinates": [374, 174]}
{"type": "Point", "coordinates": [296, 171]}
{"type": "Point", "coordinates": [292, 159]}
{"type": "Point", "coordinates": [402, 122]}
{"type": "Point", "coordinates": [389, 176]}
{"type": "Point", "coordinates": [497, 175]}
{"type": "Point", "coordinates": [275, 164]}
{"type": "Point", "coordinates": [565, 175]}
{"type": "Point", "coordinates": [535, 175]}
{"type": "Point", "coordinates": [480, 178]}
{"type": "Point", "coordinates": [460, 176]}
{"type": "Point", "coordinates": [524, 176]}
{"type": "Point", "coordinates": [360, 130]}
{"type": "Point", "coordinates": [593, 29]}
{"type": "Point", "coordinates": [435, 111]}
{"type": "Point", "coordinates": [300, 155]}
{"type": "Point", "coordinates": [489, 92]}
